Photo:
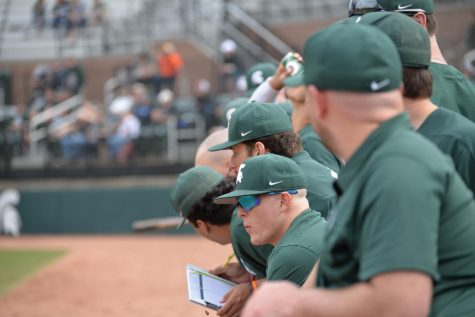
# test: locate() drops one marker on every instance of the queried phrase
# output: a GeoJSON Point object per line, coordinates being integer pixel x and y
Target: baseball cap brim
{"type": "Point", "coordinates": [182, 223]}
{"type": "Point", "coordinates": [230, 198]}
{"type": "Point", "coordinates": [295, 81]}
{"type": "Point", "coordinates": [223, 146]}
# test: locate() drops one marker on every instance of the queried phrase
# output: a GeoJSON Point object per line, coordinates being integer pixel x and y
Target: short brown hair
{"type": "Point", "coordinates": [417, 83]}
{"type": "Point", "coordinates": [207, 210]}
{"type": "Point", "coordinates": [285, 143]}
{"type": "Point", "coordinates": [431, 24]}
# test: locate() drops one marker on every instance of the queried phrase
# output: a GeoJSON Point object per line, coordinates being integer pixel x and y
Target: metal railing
{"type": "Point", "coordinates": [39, 132]}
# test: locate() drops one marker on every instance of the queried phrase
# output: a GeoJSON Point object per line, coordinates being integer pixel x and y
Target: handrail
{"type": "Point", "coordinates": [247, 43]}
{"type": "Point", "coordinates": [260, 30]}
{"type": "Point", "coordinates": [38, 134]}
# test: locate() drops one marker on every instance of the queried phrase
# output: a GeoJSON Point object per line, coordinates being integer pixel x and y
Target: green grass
{"type": "Point", "coordinates": [18, 265]}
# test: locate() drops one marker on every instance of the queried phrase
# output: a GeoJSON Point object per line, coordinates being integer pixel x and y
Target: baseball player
{"type": "Point", "coordinates": [259, 128]}
{"type": "Point", "coordinates": [268, 92]}
{"type": "Point", "coordinates": [450, 131]}
{"type": "Point", "coordinates": [192, 197]}
{"type": "Point", "coordinates": [271, 197]}
{"type": "Point", "coordinates": [400, 240]}
{"type": "Point", "coordinates": [451, 89]}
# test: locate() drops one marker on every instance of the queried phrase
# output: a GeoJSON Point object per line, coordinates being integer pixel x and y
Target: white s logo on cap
{"type": "Point", "coordinates": [257, 77]}
{"type": "Point", "coordinates": [239, 175]}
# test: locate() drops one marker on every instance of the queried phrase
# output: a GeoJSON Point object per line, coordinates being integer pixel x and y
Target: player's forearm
{"type": "Point", "coordinates": [264, 93]}
{"type": "Point", "coordinates": [385, 297]}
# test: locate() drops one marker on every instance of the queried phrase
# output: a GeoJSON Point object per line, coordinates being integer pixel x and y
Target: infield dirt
{"type": "Point", "coordinates": [111, 276]}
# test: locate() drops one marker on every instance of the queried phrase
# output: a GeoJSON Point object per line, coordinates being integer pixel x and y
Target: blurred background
{"type": "Point", "coordinates": [104, 102]}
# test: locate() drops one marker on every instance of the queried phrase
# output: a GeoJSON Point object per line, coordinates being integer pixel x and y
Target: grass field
{"type": "Point", "coordinates": [17, 265]}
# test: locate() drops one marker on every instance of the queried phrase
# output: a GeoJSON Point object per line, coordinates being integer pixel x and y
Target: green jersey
{"type": "Point", "coordinates": [454, 135]}
{"type": "Point", "coordinates": [403, 207]}
{"type": "Point", "coordinates": [252, 258]}
{"type": "Point", "coordinates": [298, 250]}
{"type": "Point", "coordinates": [312, 143]}
{"type": "Point", "coordinates": [320, 193]}
{"type": "Point", "coordinates": [452, 90]}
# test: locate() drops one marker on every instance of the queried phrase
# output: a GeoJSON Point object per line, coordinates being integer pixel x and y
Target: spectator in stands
{"type": "Point", "coordinates": [143, 70]}
{"type": "Point", "coordinates": [67, 75]}
{"type": "Point", "coordinates": [120, 143]}
{"type": "Point", "coordinates": [142, 105]}
{"type": "Point", "coordinates": [42, 101]}
{"type": "Point", "coordinates": [39, 15]}
{"type": "Point", "coordinates": [76, 17]}
{"type": "Point", "coordinates": [169, 63]}
{"type": "Point", "coordinates": [60, 14]}
{"type": "Point", "coordinates": [73, 76]}
{"type": "Point", "coordinates": [165, 107]}
{"type": "Point", "coordinates": [205, 104]}
{"type": "Point", "coordinates": [231, 67]}
{"type": "Point", "coordinates": [98, 13]}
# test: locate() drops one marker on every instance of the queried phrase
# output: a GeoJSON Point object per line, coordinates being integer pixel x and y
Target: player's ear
{"type": "Point", "coordinates": [285, 199]}
{"type": "Point", "coordinates": [259, 148]}
{"type": "Point", "coordinates": [421, 18]}
{"type": "Point", "coordinates": [202, 226]}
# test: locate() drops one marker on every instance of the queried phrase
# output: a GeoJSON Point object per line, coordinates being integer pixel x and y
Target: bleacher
{"type": "Point", "coordinates": [264, 31]}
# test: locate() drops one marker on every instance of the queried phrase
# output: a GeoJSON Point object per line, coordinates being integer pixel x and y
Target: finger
{"type": "Point", "coordinates": [227, 295]}
{"type": "Point", "coordinates": [234, 310]}
{"type": "Point", "coordinates": [225, 309]}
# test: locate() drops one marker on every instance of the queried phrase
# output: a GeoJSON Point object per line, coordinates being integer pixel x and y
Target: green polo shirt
{"type": "Point", "coordinates": [298, 250]}
{"type": "Point", "coordinates": [402, 206]}
{"type": "Point", "coordinates": [252, 258]}
{"type": "Point", "coordinates": [320, 193]}
{"type": "Point", "coordinates": [312, 143]}
{"type": "Point", "coordinates": [454, 135]}
{"type": "Point", "coordinates": [452, 90]}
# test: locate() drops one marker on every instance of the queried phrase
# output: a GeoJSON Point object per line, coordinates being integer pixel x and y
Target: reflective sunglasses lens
{"type": "Point", "coordinates": [248, 202]}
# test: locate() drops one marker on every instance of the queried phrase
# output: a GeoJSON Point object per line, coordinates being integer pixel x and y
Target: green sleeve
{"type": "Point", "coordinates": [465, 166]}
{"type": "Point", "coordinates": [291, 263]}
{"type": "Point", "coordinates": [400, 218]}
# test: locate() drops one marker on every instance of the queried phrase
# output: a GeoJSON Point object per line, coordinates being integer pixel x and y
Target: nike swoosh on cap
{"type": "Point", "coordinates": [375, 86]}
{"type": "Point", "coordinates": [274, 183]}
{"type": "Point", "coordinates": [401, 7]}
{"type": "Point", "coordinates": [245, 133]}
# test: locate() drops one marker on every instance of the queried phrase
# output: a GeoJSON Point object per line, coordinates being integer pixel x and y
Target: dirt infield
{"type": "Point", "coordinates": [111, 276]}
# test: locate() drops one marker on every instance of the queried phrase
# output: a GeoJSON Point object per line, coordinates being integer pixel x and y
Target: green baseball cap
{"type": "Point", "coordinates": [352, 57]}
{"type": "Point", "coordinates": [253, 121]}
{"type": "Point", "coordinates": [411, 40]}
{"type": "Point", "coordinates": [190, 187]}
{"type": "Point", "coordinates": [296, 80]}
{"type": "Point", "coordinates": [257, 74]}
{"type": "Point", "coordinates": [408, 6]}
{"type": "Point", "coordinates": [287, 106]}
{"type": "Point", "coordinates": [264, 174]}
{"type": "Point", "coordinates": [230, 107]}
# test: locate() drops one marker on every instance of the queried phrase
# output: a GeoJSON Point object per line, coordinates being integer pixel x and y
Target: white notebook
{"type": "Point", "coordinates": [206, 289]}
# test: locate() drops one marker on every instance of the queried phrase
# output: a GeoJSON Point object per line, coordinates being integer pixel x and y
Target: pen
{"type": "Point", "coordinates": [228, 260]}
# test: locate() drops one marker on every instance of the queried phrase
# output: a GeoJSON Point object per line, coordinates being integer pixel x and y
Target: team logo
{"type": "Point", "coordinates": [257, 77]}
{"type": "Point", "coordinates": [239, 175]}
{"type": "Point", "coordinates": [375, 86]}
{"type": "Point", "coordinates": [402, 7]}
{"type": "Point", "coordinates": [229, 113]}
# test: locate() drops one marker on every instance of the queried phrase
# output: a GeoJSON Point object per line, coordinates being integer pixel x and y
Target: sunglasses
{"type": "Point", "coordinates": [249, 202]}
